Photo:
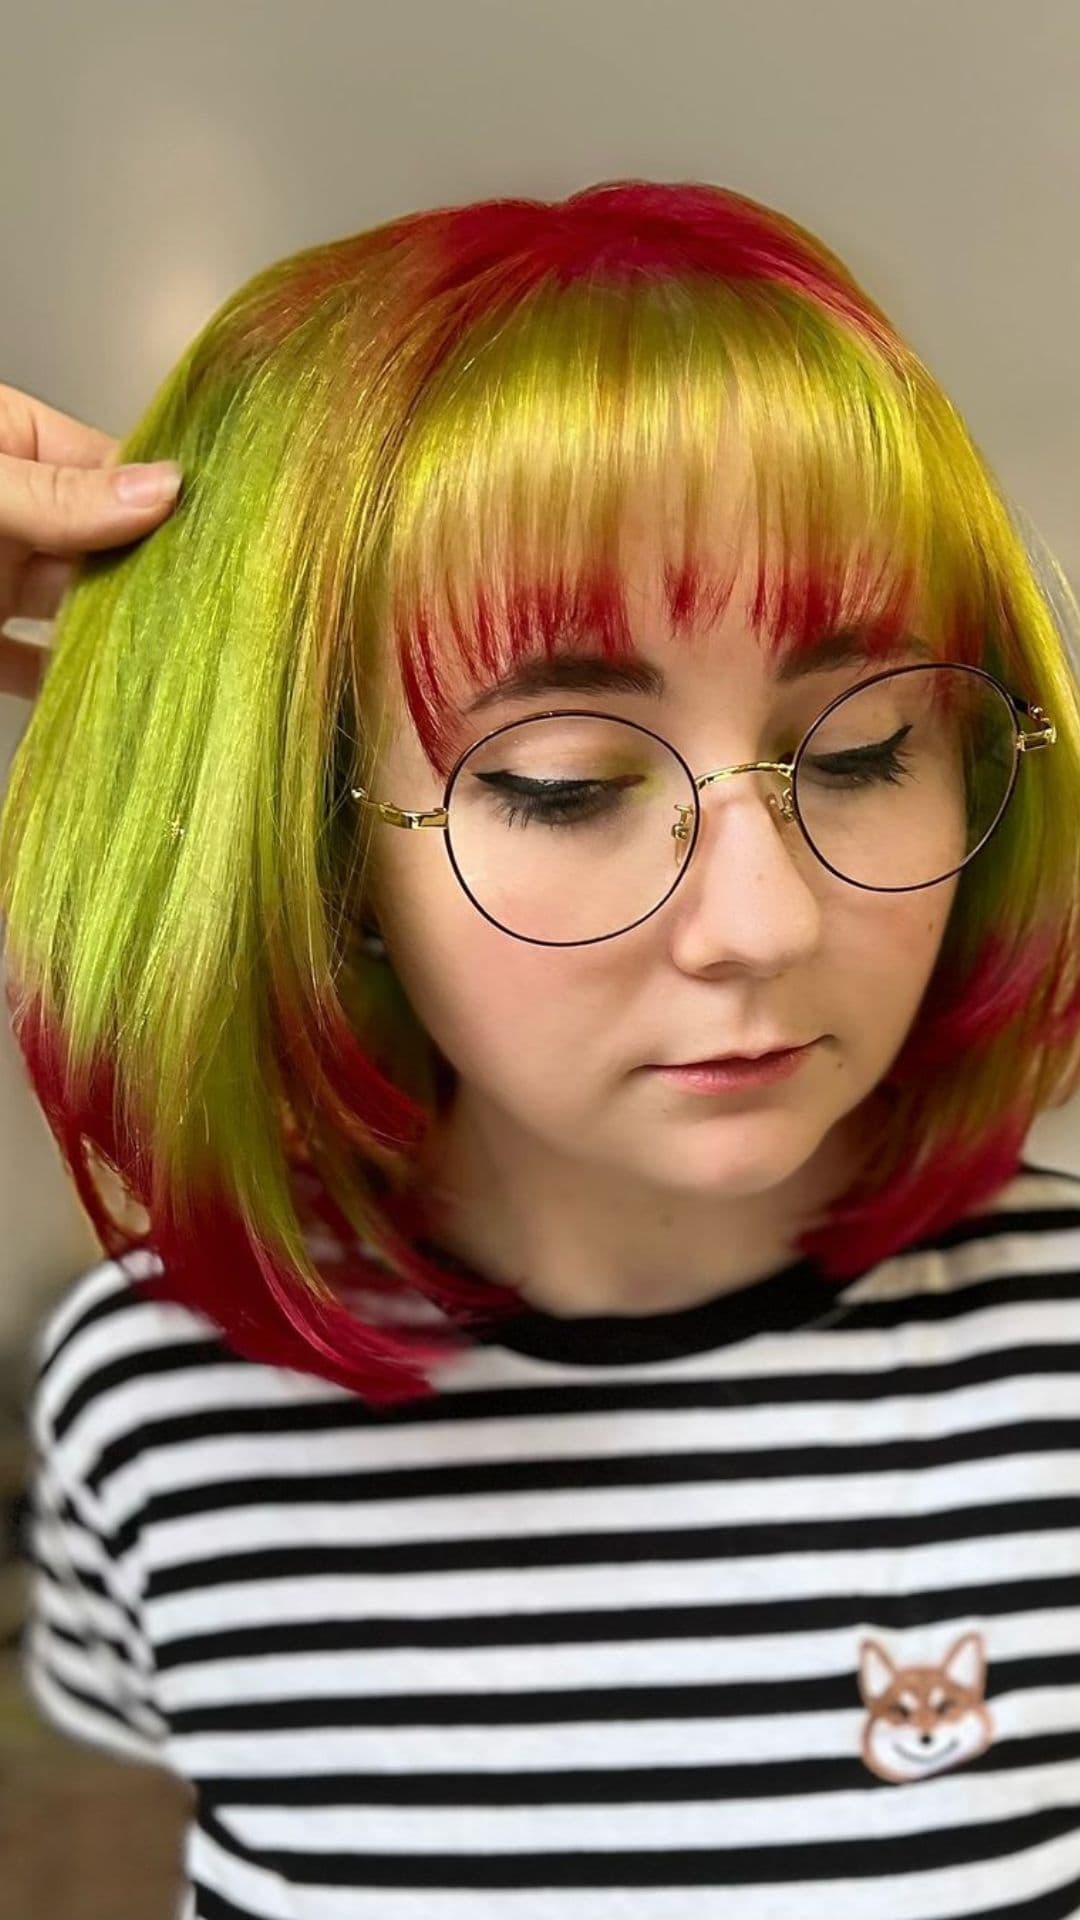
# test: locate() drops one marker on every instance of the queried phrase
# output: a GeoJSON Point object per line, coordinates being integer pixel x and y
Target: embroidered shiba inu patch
{"type": "Point", "coordinates": [924, 1720]}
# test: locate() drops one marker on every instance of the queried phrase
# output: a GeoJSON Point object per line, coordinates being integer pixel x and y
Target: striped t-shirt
{"type": "Point", "coordinates": [765, 1609]}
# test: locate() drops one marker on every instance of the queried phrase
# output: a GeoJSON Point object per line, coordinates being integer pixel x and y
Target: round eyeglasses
{"type": "Point", "coordinates": [571, 827]}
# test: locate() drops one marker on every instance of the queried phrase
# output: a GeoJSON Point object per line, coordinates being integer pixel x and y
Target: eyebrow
{"type": "Point", "coordinates": [583, 672]}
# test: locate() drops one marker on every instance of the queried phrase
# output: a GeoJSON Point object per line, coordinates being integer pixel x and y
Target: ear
{"type": "Point", "coordinates": [965, 1663]}
{"type": "Point", "coordinates": [876, 1672]}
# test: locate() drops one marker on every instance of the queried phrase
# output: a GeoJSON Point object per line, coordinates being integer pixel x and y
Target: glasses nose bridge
{"type": "Point", "coordinates": [702, 780]}
{"type": "Point", "coordinates": [784, 806]}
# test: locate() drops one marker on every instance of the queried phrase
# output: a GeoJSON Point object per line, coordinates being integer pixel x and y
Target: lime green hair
{"type": "Point", "coordinates": [410, 451]}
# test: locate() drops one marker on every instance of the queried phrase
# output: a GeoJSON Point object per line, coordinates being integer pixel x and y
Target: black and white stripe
{"type": "Point", "coordinates": [579, 1637]}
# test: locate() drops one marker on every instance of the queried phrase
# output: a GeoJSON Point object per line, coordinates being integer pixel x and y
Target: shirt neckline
{"type": "Point", "coordinates": [796, 1295]}
{"type": "Point", "coordinates": [792, 1296]}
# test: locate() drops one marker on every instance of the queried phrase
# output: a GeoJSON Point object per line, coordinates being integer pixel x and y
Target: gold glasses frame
{"type": "Point", "coordinates": [1043, 734]}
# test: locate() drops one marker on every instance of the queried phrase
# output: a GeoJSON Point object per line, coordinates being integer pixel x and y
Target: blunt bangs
{"type": "Point", "coordinates": [749, 429]}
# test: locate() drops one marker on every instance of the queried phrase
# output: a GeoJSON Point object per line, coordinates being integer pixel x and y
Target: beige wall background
{"type": "Point", "coordinates": [156, 155]}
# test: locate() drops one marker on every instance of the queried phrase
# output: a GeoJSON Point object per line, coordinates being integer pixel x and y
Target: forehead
{"type": "Point", "coordinates": [663, 681]}
{"type": "Point", "coordinates": [664, 670]}
{"type": "Point", "coordinates": [654, 661]}
{"type": "Point", "coordinates": [763, 610]}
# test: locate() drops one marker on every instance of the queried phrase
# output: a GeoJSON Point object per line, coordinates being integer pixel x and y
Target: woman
{"type": "Point", "coordinates": [514, 1467]}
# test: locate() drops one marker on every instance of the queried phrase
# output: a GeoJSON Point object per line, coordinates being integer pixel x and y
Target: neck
{"type": "Point", "coordinates": [575, 1237]}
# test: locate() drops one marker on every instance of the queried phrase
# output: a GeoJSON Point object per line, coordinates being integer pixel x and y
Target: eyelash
{"type": "Point", "coordinates": [547, 802]}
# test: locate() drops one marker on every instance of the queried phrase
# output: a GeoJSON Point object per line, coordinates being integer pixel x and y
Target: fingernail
{"type": "Point", "coordinates": [148, 484]}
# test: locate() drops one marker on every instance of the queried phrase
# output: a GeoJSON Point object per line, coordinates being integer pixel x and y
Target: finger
{"type": "Point", "coordinates": [66, 510]}
{"type": "Point", "coordinates": [33, 430]}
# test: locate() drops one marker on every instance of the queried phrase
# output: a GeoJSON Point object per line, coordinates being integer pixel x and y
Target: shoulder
{"type": "Point", "coordinates": [1030, 1226]}
{"type": "Point", "coordinates": [117, 1371]}
{"type": "Point", "coordinates": [113, 1365]}
{"type": "Point", "coordinates": [1022, 1242]}
{"type": "Point", "coordinates": [1039, 1202]}
{"type": "Point", "coordinates": [104, 1328]}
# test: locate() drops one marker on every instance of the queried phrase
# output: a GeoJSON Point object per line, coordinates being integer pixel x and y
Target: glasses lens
{"type": "Point", "coordinates": [907, 776]}
{"type": "Point", "coordinates": [574, 827]}
{"type": "Point", "coordinates": [562, 828]}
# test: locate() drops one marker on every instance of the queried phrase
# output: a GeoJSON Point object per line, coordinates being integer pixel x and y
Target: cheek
{"type": "Point", "coordinates": [489, 1002]}
{"type": "Point", "coordinates": [886, 953]}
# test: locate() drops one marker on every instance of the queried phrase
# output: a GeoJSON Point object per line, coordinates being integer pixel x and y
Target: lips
{"type": "Point", "coordinates": [734, 1059]}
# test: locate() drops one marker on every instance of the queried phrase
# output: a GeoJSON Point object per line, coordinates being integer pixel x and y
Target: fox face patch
{"type": "Point", "coordinates": [924, 1720]}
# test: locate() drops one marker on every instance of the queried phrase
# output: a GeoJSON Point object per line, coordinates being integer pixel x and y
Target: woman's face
{"type": "Point", "coordinates": [758, 946]}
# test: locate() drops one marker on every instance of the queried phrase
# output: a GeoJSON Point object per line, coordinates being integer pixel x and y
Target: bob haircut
{"type": "Point", "coordinates": [409, 448]}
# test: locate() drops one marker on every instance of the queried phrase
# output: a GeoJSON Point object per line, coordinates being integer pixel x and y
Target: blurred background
{"type": "Point", "coordinates": [154, 157]}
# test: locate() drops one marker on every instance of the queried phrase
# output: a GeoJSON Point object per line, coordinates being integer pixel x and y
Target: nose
{"type": "Point", "coordinates": [746, 895]}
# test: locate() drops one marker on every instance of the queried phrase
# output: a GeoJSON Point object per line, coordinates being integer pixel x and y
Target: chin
{"type": "Point", "coordinates": [747, 1154]}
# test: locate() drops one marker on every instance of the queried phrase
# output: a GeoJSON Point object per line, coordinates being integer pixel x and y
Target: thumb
{"type": "Point", "coordinates": [67, 509]}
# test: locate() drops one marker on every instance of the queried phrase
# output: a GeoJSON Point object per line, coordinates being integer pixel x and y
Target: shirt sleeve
{"type": "Point", "coordinates": [86, 1660]}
